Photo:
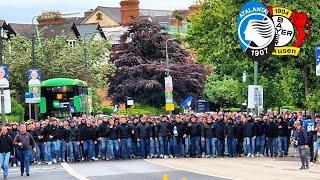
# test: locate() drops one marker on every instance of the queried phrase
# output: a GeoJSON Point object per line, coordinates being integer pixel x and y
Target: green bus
{"type": "Point", "coordinates": [64, 97]}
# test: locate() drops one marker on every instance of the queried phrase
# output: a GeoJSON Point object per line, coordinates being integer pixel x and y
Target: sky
{"type": "Point", "coordinates": [22, 11]}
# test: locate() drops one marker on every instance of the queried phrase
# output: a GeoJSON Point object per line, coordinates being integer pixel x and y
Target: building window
{"type": "Point", "coordinates": [71, 43]}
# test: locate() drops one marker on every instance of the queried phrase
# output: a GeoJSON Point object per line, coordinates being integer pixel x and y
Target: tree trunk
{"type": "Point", "coordinates": [305, 81]}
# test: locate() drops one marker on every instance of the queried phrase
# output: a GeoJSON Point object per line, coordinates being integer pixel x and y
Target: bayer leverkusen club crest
{"type": "Point", "coordinates": [264, 31]}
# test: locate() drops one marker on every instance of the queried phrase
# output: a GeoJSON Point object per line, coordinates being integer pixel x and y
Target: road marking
{"type": "Point", "coordinates": [180, 169]}
{"type": "Point", "coordinates": [72, 172]}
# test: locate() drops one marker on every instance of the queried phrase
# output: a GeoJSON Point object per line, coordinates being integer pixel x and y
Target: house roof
{"type": "Point", "coordinates": [7, 28]}
{"type": "Point", "coordinates": [115, 13]}
{"type": "Point", "coordinates": [52, 30]}
{"type": "Point", "coordinates": [89, 28]}
{"type": "Point", "coordinates": [75, 20]}
{"type": "Point", "coordinates": [25, 30]}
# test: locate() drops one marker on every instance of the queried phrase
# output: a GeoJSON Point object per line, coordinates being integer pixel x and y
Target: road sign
{"type": "Point", "coordinates": [168, 83]}
{"type": "Point", "coordinates": [202, 106]}
{"type": "Point", "coordinates": [255, 97]}
{"type": "Point", "coordinates": [170, 107]}
{"type": "Point", "coordinates": [4, 76]}
{"type": "Point", "coordinates": [34, 83]}
{"type": "Point", "coordinates": [318, 60]}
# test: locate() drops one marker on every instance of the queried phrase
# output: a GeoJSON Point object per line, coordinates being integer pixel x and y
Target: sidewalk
{"type": "Point", "coordinates": [245, 168]}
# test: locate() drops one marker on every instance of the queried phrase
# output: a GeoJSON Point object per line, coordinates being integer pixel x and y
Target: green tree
{"type": "Point", "coordinates": [56, 58]}
{"type": "Point", "coordinates": [225, 92]}
{"type": "Point", "coordinates": [287, 80]}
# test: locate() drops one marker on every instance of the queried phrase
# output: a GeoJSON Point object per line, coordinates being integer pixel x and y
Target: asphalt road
{"type": "Point", "coordinates": [111, 170]}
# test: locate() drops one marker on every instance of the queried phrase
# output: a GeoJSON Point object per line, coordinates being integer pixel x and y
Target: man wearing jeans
{"type": "Point", "coordinates": [194, 129]}
{"type": "Point", "coordinates": [260, 133]}
{"type": "Point", "coordinates": [317, 139]}
{"type": "Point", "coordinates": [282, 136]}
{"type": "Point", "coordinates": [301, 139]}
{"type": "Point", "coordinates": [143, 134]}
{"type": "Point", "coordinates": [50, 132]}
{"type": "Point", "coordinates": [113, 143]}
{"type": "Point", "coordinates": [73, 140]}
{"type": "Point", "coordinates": [125, 131]}
{"type": "Point", "coordinates": [88, 139]}
{"type": "Point", "coordinates": [208, 134]}
{"type": "Point", "coordinates": [102, 131]}
{"type": "Point", "coordinates": [163, 131]}
{"type": "Point", "coordinates": [271, 134]}
{"type": "Point", "coordinates": [249, 135]}
{"type": "Point", "coordinates": [6, 148]}
{"type": "Point", "coordinates": [179, 130]}
{"type": "Point", "coordinates": [230, 132]}
{"type": "Point", "coordinates": [61, 142]}
{"type": "Point", "coordinates": [26, 144]}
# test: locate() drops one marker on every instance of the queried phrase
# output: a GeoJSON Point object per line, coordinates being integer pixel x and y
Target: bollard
{"type": "Point", "coordinates": [165, 177]}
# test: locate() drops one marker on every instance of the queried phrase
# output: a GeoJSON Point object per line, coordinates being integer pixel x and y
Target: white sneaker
{"type": "Point", "coordinates": [248, 155]}
{"type": "Point", "coordinates": [165, 156]}
{"type": "Point", "coordinates": [54, 161]}
{"type": "Point", "coordinates": [49, 163]}
{"type": "Point", "coordinates": [171, 156]}
{"type": "Point", "coordinates": [14, 165]}
{"type": "Point", "coordinates": [19, 163]}
{"type": "Point", "coordinates": [161, 156]}
{"type": "Point", "coordinates": [39, 163]}
{"type": "Point", "coordinates": [261, 155]}
{"type": "Point", "coordinates": [252, 155]}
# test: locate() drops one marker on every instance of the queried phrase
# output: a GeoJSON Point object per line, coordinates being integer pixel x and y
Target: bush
{"type": "Point", "coordinates": [107, 110]}
{"type": "Point", "coordinates": [140, 110]}
{"type": "Point", "coordinates": [17, 112]}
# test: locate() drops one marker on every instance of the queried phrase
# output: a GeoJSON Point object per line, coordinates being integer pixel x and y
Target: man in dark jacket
{"type": "Point", "coordinates": [143, 134]}
{"type": "Point", "coordinates": [282, 136]}
{"type": "Point", "coordinates": [301, 138]}
{"type": "Point", "coordinates": [260, 135]}
{"type": "Point", "coordinates": [271, 134]}
{"type": "Point", "coordinates": [249, 135]}
{"type": "Point", "coordinates": [102, 131]}
{"type": "Point", "coordinates": [6, 148]}
{"type": "Point", "coordinates": [230, 132]}
{"type": "Point", "coordinates": [125, 131]}
{"type": "Point", "coordinates": [194, 129]}
{"type": "Point", "coordinates": [38, 136]}
{"type": "Point", "coordinates": [208, 134]}
{"type": "Point", "coordinates": [88, 139]}
{"type": "Point", "coordinates": [61, 142]}
{"type": "Point", "coordinates": [179, 129]}
{"type": "Point", "coordinates": [50, 132]}
{"type": "Point", "coordinates": [163, 131]}
{"type": "Point", "coordinates": [26, 145]}
{"type": "Point", "coordinates": [113, 143]}
{"type": "Point", "coordinates": [239, 136]}
{"type": "Point", "coordinates": [13, 133]}
{"type": "Point", "coordinates": [73, 139]}
{"type": "Point", "coordinates": [219, 128]}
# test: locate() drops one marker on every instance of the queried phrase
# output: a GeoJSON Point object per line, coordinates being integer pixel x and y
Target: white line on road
{"type": "Point", "coordinates": [72, 172]}
{"type": "Point", "coordinates": [180, 169]}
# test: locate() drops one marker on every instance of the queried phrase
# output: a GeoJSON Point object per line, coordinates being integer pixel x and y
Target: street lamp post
{"type": "Point", "coordinates": [1, 90]}
{"type": "Point", "coordinates": [170, 98]}
{"type": "Point", "coordinates": [167, 55]}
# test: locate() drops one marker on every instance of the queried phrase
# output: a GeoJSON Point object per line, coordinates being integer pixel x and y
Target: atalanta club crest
{"type": "Point", "coordinates": [264, 31]}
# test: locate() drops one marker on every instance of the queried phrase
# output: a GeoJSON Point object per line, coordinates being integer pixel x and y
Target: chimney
{"type": "Point", "coordinates": [47, 18]}
{"type": "Point", "coordinates": [129, 11]}
{"type": "Point", "coordinates": [193, 8]}
{"type": "Point", "coordinates": [87, 13]}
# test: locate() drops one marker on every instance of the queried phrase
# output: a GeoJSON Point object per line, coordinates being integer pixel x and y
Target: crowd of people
{"type": "Point", "coordinates": [207, 135]}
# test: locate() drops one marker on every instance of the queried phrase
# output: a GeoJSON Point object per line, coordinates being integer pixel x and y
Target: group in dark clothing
{"type": "Point", "coordinates": [121, 137]}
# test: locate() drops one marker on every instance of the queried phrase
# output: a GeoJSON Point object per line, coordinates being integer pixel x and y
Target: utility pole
{"type": "Point", "coordinates": [168, 74]}
{"type": "Point", "coordinates": [1, 90]}
{"type": "Point", "coordinates": [256, 69]}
